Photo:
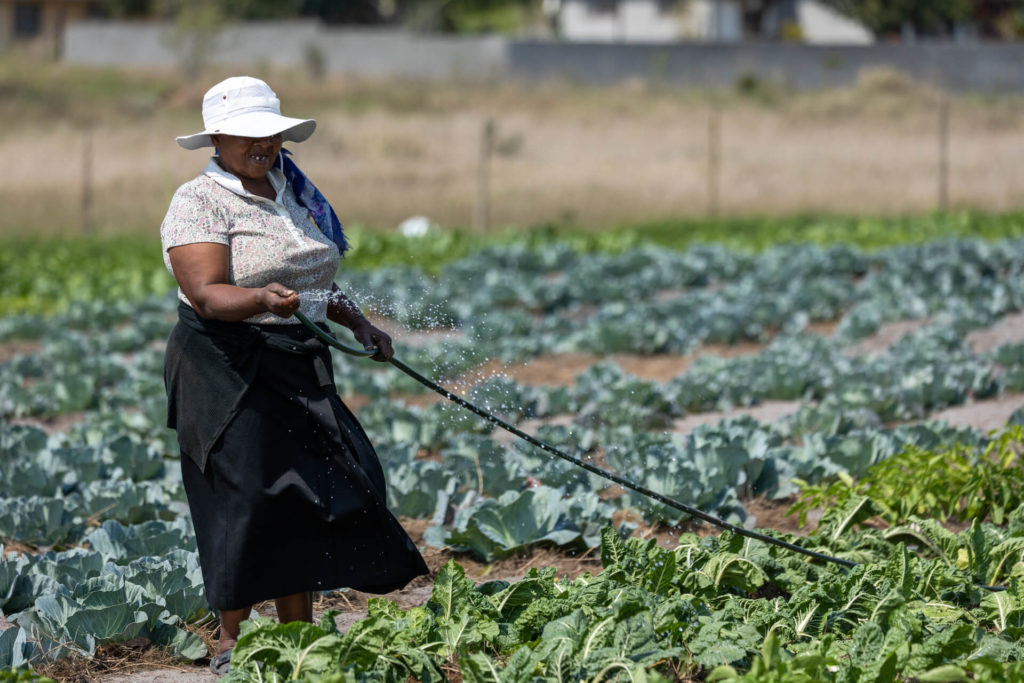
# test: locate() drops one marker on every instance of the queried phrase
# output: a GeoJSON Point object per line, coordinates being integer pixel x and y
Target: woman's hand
{"type": "Point", "coordinates": [371, 337]}
{"type": "Point", "coordinates": [343, 311]}
{"type": "Point", "coordinates": [279, 300]}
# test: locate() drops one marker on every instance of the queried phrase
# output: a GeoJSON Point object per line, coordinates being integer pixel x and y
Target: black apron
{"type": "Point", "coordinates": [285, 490]}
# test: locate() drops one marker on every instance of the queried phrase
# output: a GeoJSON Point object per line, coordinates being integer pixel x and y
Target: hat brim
{"type": "Point", "coordinates": [258, 124]}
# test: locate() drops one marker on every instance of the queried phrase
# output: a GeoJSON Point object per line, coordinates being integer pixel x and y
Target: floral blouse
{"type": "Point", "coordinates": [269, 241]}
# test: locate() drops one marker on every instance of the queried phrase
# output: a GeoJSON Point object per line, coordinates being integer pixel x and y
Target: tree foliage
{"type": "Point", "coordinates": [350, 11]}
{"type": "Point", "coordinates": [460, 16]}
{"type": "Point", "coordinates": [226, 9]}
{"type": "Point", "coordinates": [991, 18]}
{"type": "Point", "coordinates": [476, 16]}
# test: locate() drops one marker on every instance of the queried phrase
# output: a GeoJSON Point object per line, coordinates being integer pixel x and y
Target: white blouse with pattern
{"type": "Point", "coordinates": [269, 241]}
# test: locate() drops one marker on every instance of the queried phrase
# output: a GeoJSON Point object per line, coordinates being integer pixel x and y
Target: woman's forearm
{"type": "Point", "coordinates": [233, 303]}
{"type": "Point", "coordinates": [343, 310]}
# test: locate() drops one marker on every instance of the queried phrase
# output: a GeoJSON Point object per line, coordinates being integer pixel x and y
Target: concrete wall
{"type": "Point", "coordinates": [981, 67]}
{"type": "Point", "coordinates": [294, 44]}
{"type": "Point", "coordinates": [986, 68]}
{"type": "Point", "coordinates": [100, 43]}
{"type": "Point", "coordinates": [389, 52]}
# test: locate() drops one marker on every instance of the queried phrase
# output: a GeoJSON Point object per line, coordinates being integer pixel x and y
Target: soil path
{"type": "Point", "coordinates": [985, 415]}
{"type": "Point", "coordinates": [18, 347]}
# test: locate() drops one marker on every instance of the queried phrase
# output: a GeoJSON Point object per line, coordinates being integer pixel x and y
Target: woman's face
{"type": "Point", "coordinates": [247, 158]}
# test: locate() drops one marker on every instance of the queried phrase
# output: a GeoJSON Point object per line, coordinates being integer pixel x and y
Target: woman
{"type": "Point", "coordinates": [285, 491]}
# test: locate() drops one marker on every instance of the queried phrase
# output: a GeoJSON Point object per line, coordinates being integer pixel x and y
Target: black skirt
{"type": "Point", "coordinates": [291, 497]}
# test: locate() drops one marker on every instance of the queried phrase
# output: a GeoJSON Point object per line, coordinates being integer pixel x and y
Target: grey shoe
{"type": "Point", "coordinates": [221, 664]}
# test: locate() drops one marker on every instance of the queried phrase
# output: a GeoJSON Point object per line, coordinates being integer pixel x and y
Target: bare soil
{"type": "Point", "coordinates": [51, 424]}
{"type": "Point", "coordinates": [1009, 330]}
{"type": "Point", "coordinates": [18, 347]}
{"type": "Point", "coordinates": [562, 369]}
{"type": "Point", "coordinates": [767, 411]}
{"type": "Point", "coordinates": [886, 335]}
{"type": "Point", "coordinates": [988, 415]}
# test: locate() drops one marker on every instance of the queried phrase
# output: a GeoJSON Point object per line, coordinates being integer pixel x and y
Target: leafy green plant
{"type": "Point", "coordinates": [48, 274]}
{"type": "Point", "coordinates": [959, 482]}
{"type": "Point", "coordinates": [728, 605]}
{"type": "Point", "coordinates": [865, 232]}
{"type": "Point", "coordinates": [22, 676]}
{"type": "Point", "coordinates": [704, 608]}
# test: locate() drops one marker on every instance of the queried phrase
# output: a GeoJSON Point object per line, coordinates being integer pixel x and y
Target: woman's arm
{"type": "Point", "coordinates": [343, 311]}
{"type": "Point", "coordinates": [202, 272]}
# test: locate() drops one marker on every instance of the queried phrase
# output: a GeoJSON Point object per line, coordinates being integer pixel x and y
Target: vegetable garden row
{"type": "Point", "coordinates": [102, 503]}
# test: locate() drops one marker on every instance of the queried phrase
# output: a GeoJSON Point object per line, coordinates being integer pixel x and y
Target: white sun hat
{"type": "Point", "coordinates": [247, 107]}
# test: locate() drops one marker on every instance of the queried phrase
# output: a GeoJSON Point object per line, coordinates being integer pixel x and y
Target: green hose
{"type": "Point", "coordinates": [590, 467]}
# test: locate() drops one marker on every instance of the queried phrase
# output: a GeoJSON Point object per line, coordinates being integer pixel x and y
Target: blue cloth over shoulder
{"type": "Point", "coordinates": [311, 198]}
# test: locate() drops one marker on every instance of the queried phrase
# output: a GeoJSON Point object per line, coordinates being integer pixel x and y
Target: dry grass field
{"type": "Point", "coordinates": [588, 157]}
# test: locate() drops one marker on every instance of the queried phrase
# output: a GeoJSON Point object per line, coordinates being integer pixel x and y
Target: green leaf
{"type": "Point", "coordinates": [613, 550]}
{"type": "Point", "coordinates": [569, 629]}
{"type": "Point", "coordinates": [900, 569]}
{"type": "Point", "coordinates": [286, 650]}
{"type": "Point", "coordinates": [1009, 552]}
{"type": "Point", "coordinates": [479, 668]}
{"type": "Point", "coordinates": [108, 623]}
{"type": "Point", "coordinates": [722, 673]}
{"type": "Point", "coordinates": [808, 624]}
{"type": "Point", "coordinates": [534, 586]}
{"type": "Point", "coordinates": [661, 577]}
{"type": "Point", "coordinates": [1003, 609]}
{"type": "Point", "coordinates": [770, 650]}
{"type": "Point", "coordinates": [866, 644]}
{"type": "Point", "coordinates": [518, 519]}
{"type": "Point", "coordinates": [458, 633]}
{"type": "Point", "coordinates": [979, 549]}
{"type": "Point", "coordinates": [327, 621]}
{"type": "Point", "coordinates": [916, 535]}
{"type": "Point", "coordinates": [179, 642]}
{"type": "Point", "coordinates": [839, 520]}
{"type": "Point", "coordinates": [451, 591]}
{"type": "Point", "coordinates": [946, 644]}
{"type": "Point", "coordinates": [947, 673]}
{"type": "Point", "coordinates": [729, 569]}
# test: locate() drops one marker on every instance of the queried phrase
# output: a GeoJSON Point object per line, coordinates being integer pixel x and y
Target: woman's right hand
{"type": "Point", "coordinates": [279, 300]}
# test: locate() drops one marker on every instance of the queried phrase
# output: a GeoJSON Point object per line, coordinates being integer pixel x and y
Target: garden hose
{"type": "Point", "coordinates": [330, 340]}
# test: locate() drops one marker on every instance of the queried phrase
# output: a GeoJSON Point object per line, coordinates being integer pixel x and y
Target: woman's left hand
{"type": "Point", "coordinates": [371, 337]}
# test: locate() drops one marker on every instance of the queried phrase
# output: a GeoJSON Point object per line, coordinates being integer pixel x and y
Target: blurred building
{"type": "Point", "coordinates": [807, 21]}
{"type": "Point", "coordinates": [38, 25]}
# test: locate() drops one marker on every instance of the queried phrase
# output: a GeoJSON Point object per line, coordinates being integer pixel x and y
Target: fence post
{"type": "Point", "coordinates": [944, 153]}
{"type": "Point", "coordinates": [87, 180]}
{"type": "Point", "coordinates": [714, 157]}
{"type": "Point", "coordinates": [483, 190]}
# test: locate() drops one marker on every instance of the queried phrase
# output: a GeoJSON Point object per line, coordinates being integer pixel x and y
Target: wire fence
{"type": "Point", "coordinates": [485, 170]}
